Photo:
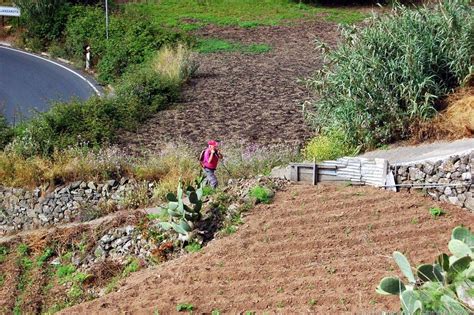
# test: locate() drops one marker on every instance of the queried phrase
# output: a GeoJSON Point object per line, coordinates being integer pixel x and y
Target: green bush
{"type": "Point", "coordinates": [388, 75]}
{"type": "Point", "coordinates": [44, 19]}
{"type": "Point", "coordinates": [133, 38]}
{"type": "Point", "coordinates": [261, 194]}
{"type": "Point", "coordinates": [329, 146]}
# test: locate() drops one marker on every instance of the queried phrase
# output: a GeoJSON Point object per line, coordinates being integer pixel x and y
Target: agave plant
{"type": "Point", "coordinates": [184, 212]}
{"type": "Point", "coordinates": [446, 287]}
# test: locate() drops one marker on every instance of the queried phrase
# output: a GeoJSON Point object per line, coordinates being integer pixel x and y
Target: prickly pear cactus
{"type": "Point", "coordinates": [445, 287]}
{"type": "Point", "coordinates": [184, 209]}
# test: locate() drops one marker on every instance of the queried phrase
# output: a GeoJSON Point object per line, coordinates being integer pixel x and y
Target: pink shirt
{"type": "Point", "coordinates": [215, 159]}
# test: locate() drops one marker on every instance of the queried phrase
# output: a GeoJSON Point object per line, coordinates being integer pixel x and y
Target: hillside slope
{"type": "Point", "coordinates": [320, 249]}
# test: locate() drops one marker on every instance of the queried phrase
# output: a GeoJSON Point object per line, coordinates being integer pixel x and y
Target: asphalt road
{"type": "Point", "coordinates": [29, 84]}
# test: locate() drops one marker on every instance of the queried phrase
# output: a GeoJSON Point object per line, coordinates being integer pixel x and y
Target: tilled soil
{"type": "Point", "coordinates": [316, 249]}
{"type": "Point", "coordinates": [243, 98]}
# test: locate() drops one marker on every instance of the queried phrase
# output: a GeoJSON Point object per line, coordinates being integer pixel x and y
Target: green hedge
{"type": "Point", "coordinates": [391, 73]}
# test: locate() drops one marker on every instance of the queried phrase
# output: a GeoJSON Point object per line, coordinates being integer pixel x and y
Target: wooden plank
{"type": "Point", "coordinates": [329, 178]}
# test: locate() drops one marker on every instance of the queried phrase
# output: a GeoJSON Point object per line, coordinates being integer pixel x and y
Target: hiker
{"type": "Point", "coordinates": [209, 159]}
{"type": "Point", "coordinates": [88, 58]}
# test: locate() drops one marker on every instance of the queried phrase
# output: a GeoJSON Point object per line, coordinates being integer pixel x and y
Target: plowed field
{"type": "Point", "coordinates": [242, 98]}
{"type": "Point", "coordinates": [316, 249]}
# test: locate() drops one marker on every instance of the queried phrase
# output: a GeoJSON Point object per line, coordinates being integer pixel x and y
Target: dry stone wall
{"type": "Point", "coordinates": [22, 209]}
{"type": "Point", "coordinates": [448, 180]}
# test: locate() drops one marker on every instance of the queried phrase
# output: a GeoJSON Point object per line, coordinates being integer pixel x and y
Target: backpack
{"type": "Point", "coordinates": [201, 156]}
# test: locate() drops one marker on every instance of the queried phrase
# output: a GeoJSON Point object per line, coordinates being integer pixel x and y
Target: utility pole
{"type": "Point", "coordinates": [107, 19]}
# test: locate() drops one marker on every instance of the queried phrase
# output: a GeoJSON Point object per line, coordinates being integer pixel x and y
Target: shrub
{"type": "Point", "coordinates": [328, 147]}
{"type": "Point", "coordinates": [133, 38]}
{"type": "Point", "coordinates": [174, 64]}
{"type": "Point", "coordinates": [44, 19]}
{"type": "Point", "coordinates": [261, 194]}
{"type": "Point", "coordinates": [444, 287]}
{"type": "Point", "coordinates": [390, 74]}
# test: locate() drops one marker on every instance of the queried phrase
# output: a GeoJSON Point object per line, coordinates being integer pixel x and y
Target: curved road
{"type": "Point", "coordinates": [29, 83]}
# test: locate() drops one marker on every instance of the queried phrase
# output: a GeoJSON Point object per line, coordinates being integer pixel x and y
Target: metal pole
{"type": "Point", "coordinates": [107, 19]}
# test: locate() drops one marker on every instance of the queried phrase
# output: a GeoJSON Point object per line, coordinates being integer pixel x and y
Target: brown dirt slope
{"type": "Point", "coordinates": [249, 98]}
{"type": "Point", "coordinates": [316, 249]}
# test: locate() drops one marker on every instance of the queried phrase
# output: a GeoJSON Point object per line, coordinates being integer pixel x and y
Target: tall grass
{"type": "Point", "coordinates": [175, 64]}
{"type": "Point", "coordinates": [173, 163]}
{"type": "Point", "coordinates": [390, 74]}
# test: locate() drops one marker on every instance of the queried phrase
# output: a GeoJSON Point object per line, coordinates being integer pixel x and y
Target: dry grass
{"type": "Point", "coordinates": [455, 122]}
{"type": "Point", "coordinates": [174, 63]}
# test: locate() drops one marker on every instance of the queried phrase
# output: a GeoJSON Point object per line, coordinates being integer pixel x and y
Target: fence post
{"type": "Point", "coordinates": [315, 173]}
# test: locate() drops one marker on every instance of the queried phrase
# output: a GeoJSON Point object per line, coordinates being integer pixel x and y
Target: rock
{"type": "Point", "coordinates": [91, 186]}
{"type": "Point", "coordinates": [448, 166]}
{"type": "Point", "coordinates": [466, 176]}
{"type": "Point", "coordinates": [402, 170]}
{"type": "Point", "coordinates": [83, 185]}
{"type": "Point", "coordinates": [429, 169]}
{"type": "Point", "coordinates": [443, 198]}
{"type": "Point", "coordinates": [43, 218]}
{"type": "Point", "coordinates": [75, 184]}
{"type": "Point", "coordinates": [434, 194]}
{"type": "Point", "coordinates": [99, 252]}
{"type": "Point", "coordinates": [126, 247]}
{"type": "Point", "coordinates": [56, 261]}
{"type": "Point", "coordinates": [129, 229]}
{"type": "Point", "coordinates": [118, 242]}
{"type": "Point", "coordinates": [469, 203]}
{"type": "Point", "coordinates": [106, 238]}
{"type": "Point", "coordinates": [455, 201]}
{"type": "Point", "coordinates": [448, 191]}
{"type": "Point", "coordinates": [416, 174]}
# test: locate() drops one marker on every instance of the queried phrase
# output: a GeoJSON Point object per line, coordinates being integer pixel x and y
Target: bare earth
{"type": "Point", "coordinates": [316, 249]}
{"type": "Point", "coordinates": [243, 98]}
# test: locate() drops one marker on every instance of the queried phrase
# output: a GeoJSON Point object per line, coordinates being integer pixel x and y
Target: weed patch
{"type": "Point", "coordinates": [261, 194]}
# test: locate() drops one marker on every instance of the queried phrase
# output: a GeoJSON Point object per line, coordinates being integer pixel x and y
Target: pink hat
{"type": "Point", "coordinates": [212, 142]}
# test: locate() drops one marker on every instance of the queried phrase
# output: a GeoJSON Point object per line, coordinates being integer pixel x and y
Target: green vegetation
{"type": "Point", "coordinates": [3, 253]}
{"type": "Point", "coordinates": [328, 146]}
{"type": "Point", "coordinates": [133, 39]}
{"type": "Point", "coordinates": [386, 77]}
{"type": "Point", "coordinates": [47, 253]}
{"type": "Point", "coordinates": [442, 287]}
{"type": "Point", "coordinates": [94, 122]}
{"type": "Point", "coordinates": [193, 247]}
{"type": "Point", "coordinates": [213, 45]}
{"type": "Point", "coordinates": [182, 215]}
{"type": "Point", "coordinates": [436, 212]}
{"type": "Point", "coordinates": [184, 307]}
{"type": "Point", "coordinates": [261, 194]}
{"type": "Point", "coordinates": [191, 14]}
